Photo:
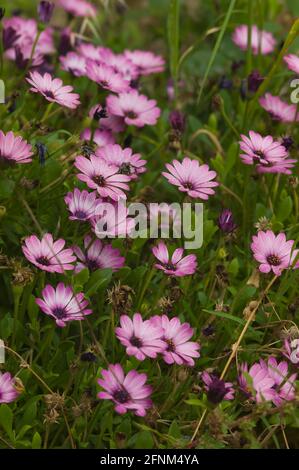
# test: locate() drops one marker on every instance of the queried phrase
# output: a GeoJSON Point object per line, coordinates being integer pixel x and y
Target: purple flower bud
{"type": "Point", "coordinates": [217, 390]}
{"type": "Point", "coordinates": [65, 44]}
{"type": "Point", "coordinates": [225, 83]}
{"type": "Point", "coordinates": [177, 121]}
{"type": "Point", "coordinates": [254, 80]}
{"type": "Point", "coordinates": [287, 142]}
{"type": "Point", "coordinates": [10, 36]}
{"type": "Point", "coordinates": [45, 11]}
{"type": "Point", "coordinates": [226, 221]}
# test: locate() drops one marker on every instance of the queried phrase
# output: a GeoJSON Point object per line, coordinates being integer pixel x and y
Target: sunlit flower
{"type": "Point", "coordinates": [145, 61]}
{"type": "Point", "coordinates": [75, 63]}
{"type": "Point", "coordinates": [53, 90]}
{"type": "Point", "coordinates": [8, 392]}
{"type": "Point", "coordinates": [137, 110]}
{"type": "Point", "coordinates": [128, 392]}
{"type": "Point", "coordinates": [48, 255]}
{"type": "Point", "coordinates": [13, 149]}
{"type": "Point", "coordinates": [284, 388]}
{"type": "Point", "coordinates": [141, 338]}
{"type": "Point", "coordinates": [106, 77]}
{"type": "Point", "coordinates": [63, 304]}
{"type": "Point", "coordinates": [278, 109]}
{"type": "Point", "coordinates": [81, 204]}
{"type": "Point", "coordinates": [191, 178]}
{"type": "Point", "coordinates": [256, 382]}
{"type": "Point", "coordinates": [273, 252]}
{"type": "Point", "coordinates": [127, 163]}
{"type": "Point", "coordinates": [177, 265]}
{"type": "Point", "coordinates": [260, 40]}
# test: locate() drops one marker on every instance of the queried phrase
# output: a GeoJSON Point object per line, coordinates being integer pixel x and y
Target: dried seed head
{"type": "Point", "coordinates": [263, 224]}
{"type": "Point", "coordinates": [121, 298]}
{"type": "Point", "coordinates": [165, 304]}
{"type": "Point", "coordinates": [54, 401]}
{"type": "Point", "coordinates": [51, 417]}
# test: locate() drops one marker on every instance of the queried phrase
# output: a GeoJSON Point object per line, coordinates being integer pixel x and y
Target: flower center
{"type": "Point", "coordinates": [188, 185]}
{"type": "Point", "coordinates": [99, 180]}
{"type": "Point", "coordinates": [49, 94]}
{"type": "Point", "coordinates": [92, 264]}
{"type": "Point", "coordinates": [170, 266]}
{"type": "Point", "coordinates": [259, 154]}
{"type": "Point", "coordinates": [121, 396]}
{"type": "Point", "coordinates": [170, 345]}
{"type": "Point", "coordinates": [43, 260]}
{"type": "Point", "coordinates": [274, 260]}
{"type": "Point", "coordinates": [136, 342]}
{"type": "Point", "coordinates": [125, 169]}
{"type": "Point", "coordinates": [104, 83]}
{"type": "Point", "coordinates": [59, 312]}
{"type": "Point", "coordinates": [131, 115]}
{"type": "Point", "coordinates": [80, 214]}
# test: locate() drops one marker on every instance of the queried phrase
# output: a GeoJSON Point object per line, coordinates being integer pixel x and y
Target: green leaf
{"type": "Point", "coordinates": [144, 440]}
{"type": "Point", "coordinates": [173, 27]}
{"type": "Point", "coordinates": [228, 316]}
{"type": "Point", "coordinates": [284, 208]}
{"type": "Point", "coordinates": [6, 188]}
{"type": "Point", "coordinates": [36, 441]}
{"type": "Point", "coordinates": [98, 280]}
{"type": "Point", "coordinates": [6, 418]}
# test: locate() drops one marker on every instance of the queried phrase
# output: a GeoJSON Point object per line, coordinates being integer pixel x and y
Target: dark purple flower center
{"type": "Point", "coordinates": [49, 94]}
{"type": "Point", "coordinates": [59, 312]}
{"type": "Point", "coordinates": [273, 260]}
{"type": "Point", "coordinates": [92, 264]}
{"type": "Point", "coordinates": [125, 169]}
{"type": "Point", "coordinates": [103, 83]}
{"type": "Point", "coordinates": [188, 185]}
{"type": "Point", "coordinates": [80, 214]}
{"type": "Point", "coordinates": [216, 391]}
{"type": "Point", "coordinates": [170, 345]}
{"type": "Point", "coordinates": [43, 260]}
{"type": "Point", "coordinates": [121, 396]}
{"type": "Point", "coordinates": [170, 266]}
{"type": "Point", "coordinates": [131, 115]}
{"type": "Point", "coordinates": [259, 154]}
{"type": "Point", "coordinates": [136, 341]}
{"type": "Point", "coordinates": [99, 180]}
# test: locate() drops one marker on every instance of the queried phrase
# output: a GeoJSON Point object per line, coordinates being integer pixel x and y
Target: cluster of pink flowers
{"type": "Point", "coordinates": [268, 381]}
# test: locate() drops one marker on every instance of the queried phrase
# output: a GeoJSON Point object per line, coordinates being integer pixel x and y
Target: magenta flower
{"type": "Point", "coordinates": [14, 149]}
{"type": "Point", "coordinates": [81, 204]}
{"type": "Point", "coordinates": [127, 163]}
{"type": "Point", "coordinates": [74, 63]}
{"type": "Point", "coordinates": [92, 52]}
{"type": "Point", "coordinates": [97, 174]}
{"type": "Point", "coordinates": [137, 110]}
{"type": "Point", "coordinates": [256, 382]}
{"type": "Point", "coordinates": [260, 40]}
{"type": "Point", "coordinates": [53, 90]}
{"type": "Point", "coordinates": [78, 7]}
{"type": "Point", "coordinates": [191, 178]}
{"type": "Point", "coordinates": [176, 335]}
{"type": "Point", "coordinates": [128, 392]}
{"type": "Point", "coordinates": [284, 389]}
{"type": "Point", "coordinates": [8, 393]}
{"type": "Point", "coordinates": [97, 255]}
{"type": "Point", "coordinates": [47, 254]}
{"type": "Point", "coordinates": [145, 61]}
{"type": "Point", "coordinates": [141, 338]}
{"type": "Point", "coordinates": [110, 122]}
{"type": "Point", "coordinates": [269, 155]}
{"type": "Point", "coordinates": [63, 304]}
{"type": "Point", "coordinates": [273, 252]}
{"type": "Point", "coordinates": [291, 350]}
{"type": "Point", "coordinates": [106, 77]}
{"type": "Point", "coordinates": [121, 64]}
{"type": "Point", "coordinates": [177, 265]}
{"type": "Point", "coordinates": [217, 390]}
{"type": "Point", "coordinates": [278, 109]}
{"type": "Point", "coordinates": [101, 137]}
{"type": "Point", "coordinates": [292, 62]}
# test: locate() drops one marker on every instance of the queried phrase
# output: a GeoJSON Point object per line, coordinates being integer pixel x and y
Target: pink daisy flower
{"type": "Point", "coordinates": [269, 155]}
{"type": "Point", "coordinates": [177, 265]}
{"type": "Point", "coordinates": [8, 393]}
{"type": "Point", "coordinates": [14, 149]}
{"type": "Point", "coordinates": [97, 255]}
{"type": "Point", "coordinates": [273, 252]}
{"type": "Point", "coordinates": [191, 178]}
{"type": "Point", "coordinates": [284, 388]}
{"type": "Point", "coordinates": [81, 204]}
{"type": "Point", "coordinates": [47, 254]}
{"type": "Point", "coordinates": [128, 392]}
{"type": "Point", "coordinates": [111, 123]}
{"type": "Point", "coordinates": [127, 163]}
{"type": "Point", "coordinates": [92, 52]}
{"type": "Point", "coordinates": [145, 61]}
{"type": "Point", "coordinates": [217, 390]}
{"type": "Point", "coordinates": [63, 304]}
{"type": "Point", "coordinates": [101, 137]}
{"type": "Point", "coordinates": [97, 174]}
{"type": "Point", "coordinates": [141, 338]}
{"type": "Point", "coordinates": [137, 110]}
{"type": "Point", "coordinates": [291, 350]}
{"type": "Point", "coordinates": [75, 63]}
{"type": "Point", "coordinates": [106, 77]}
{"type": "Point", "coordinates": [53, 90]}
{"type": "Point", "coordinates": [259, 39]}
{"type": "Point", "coordinates": [292, 62]}
{"type": "Point", "coordinates": [176, 335]}
{"type": "Point", "coordinates": [278, 109]}
{"type": "Point", "coordinates": [23, 56]}
{"type": "Point", "coordinates": [121, 64]}
{"type": "Point", "coordinates": [256, 382]}
{"type": "Point", "coordinates": [79, 7]}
